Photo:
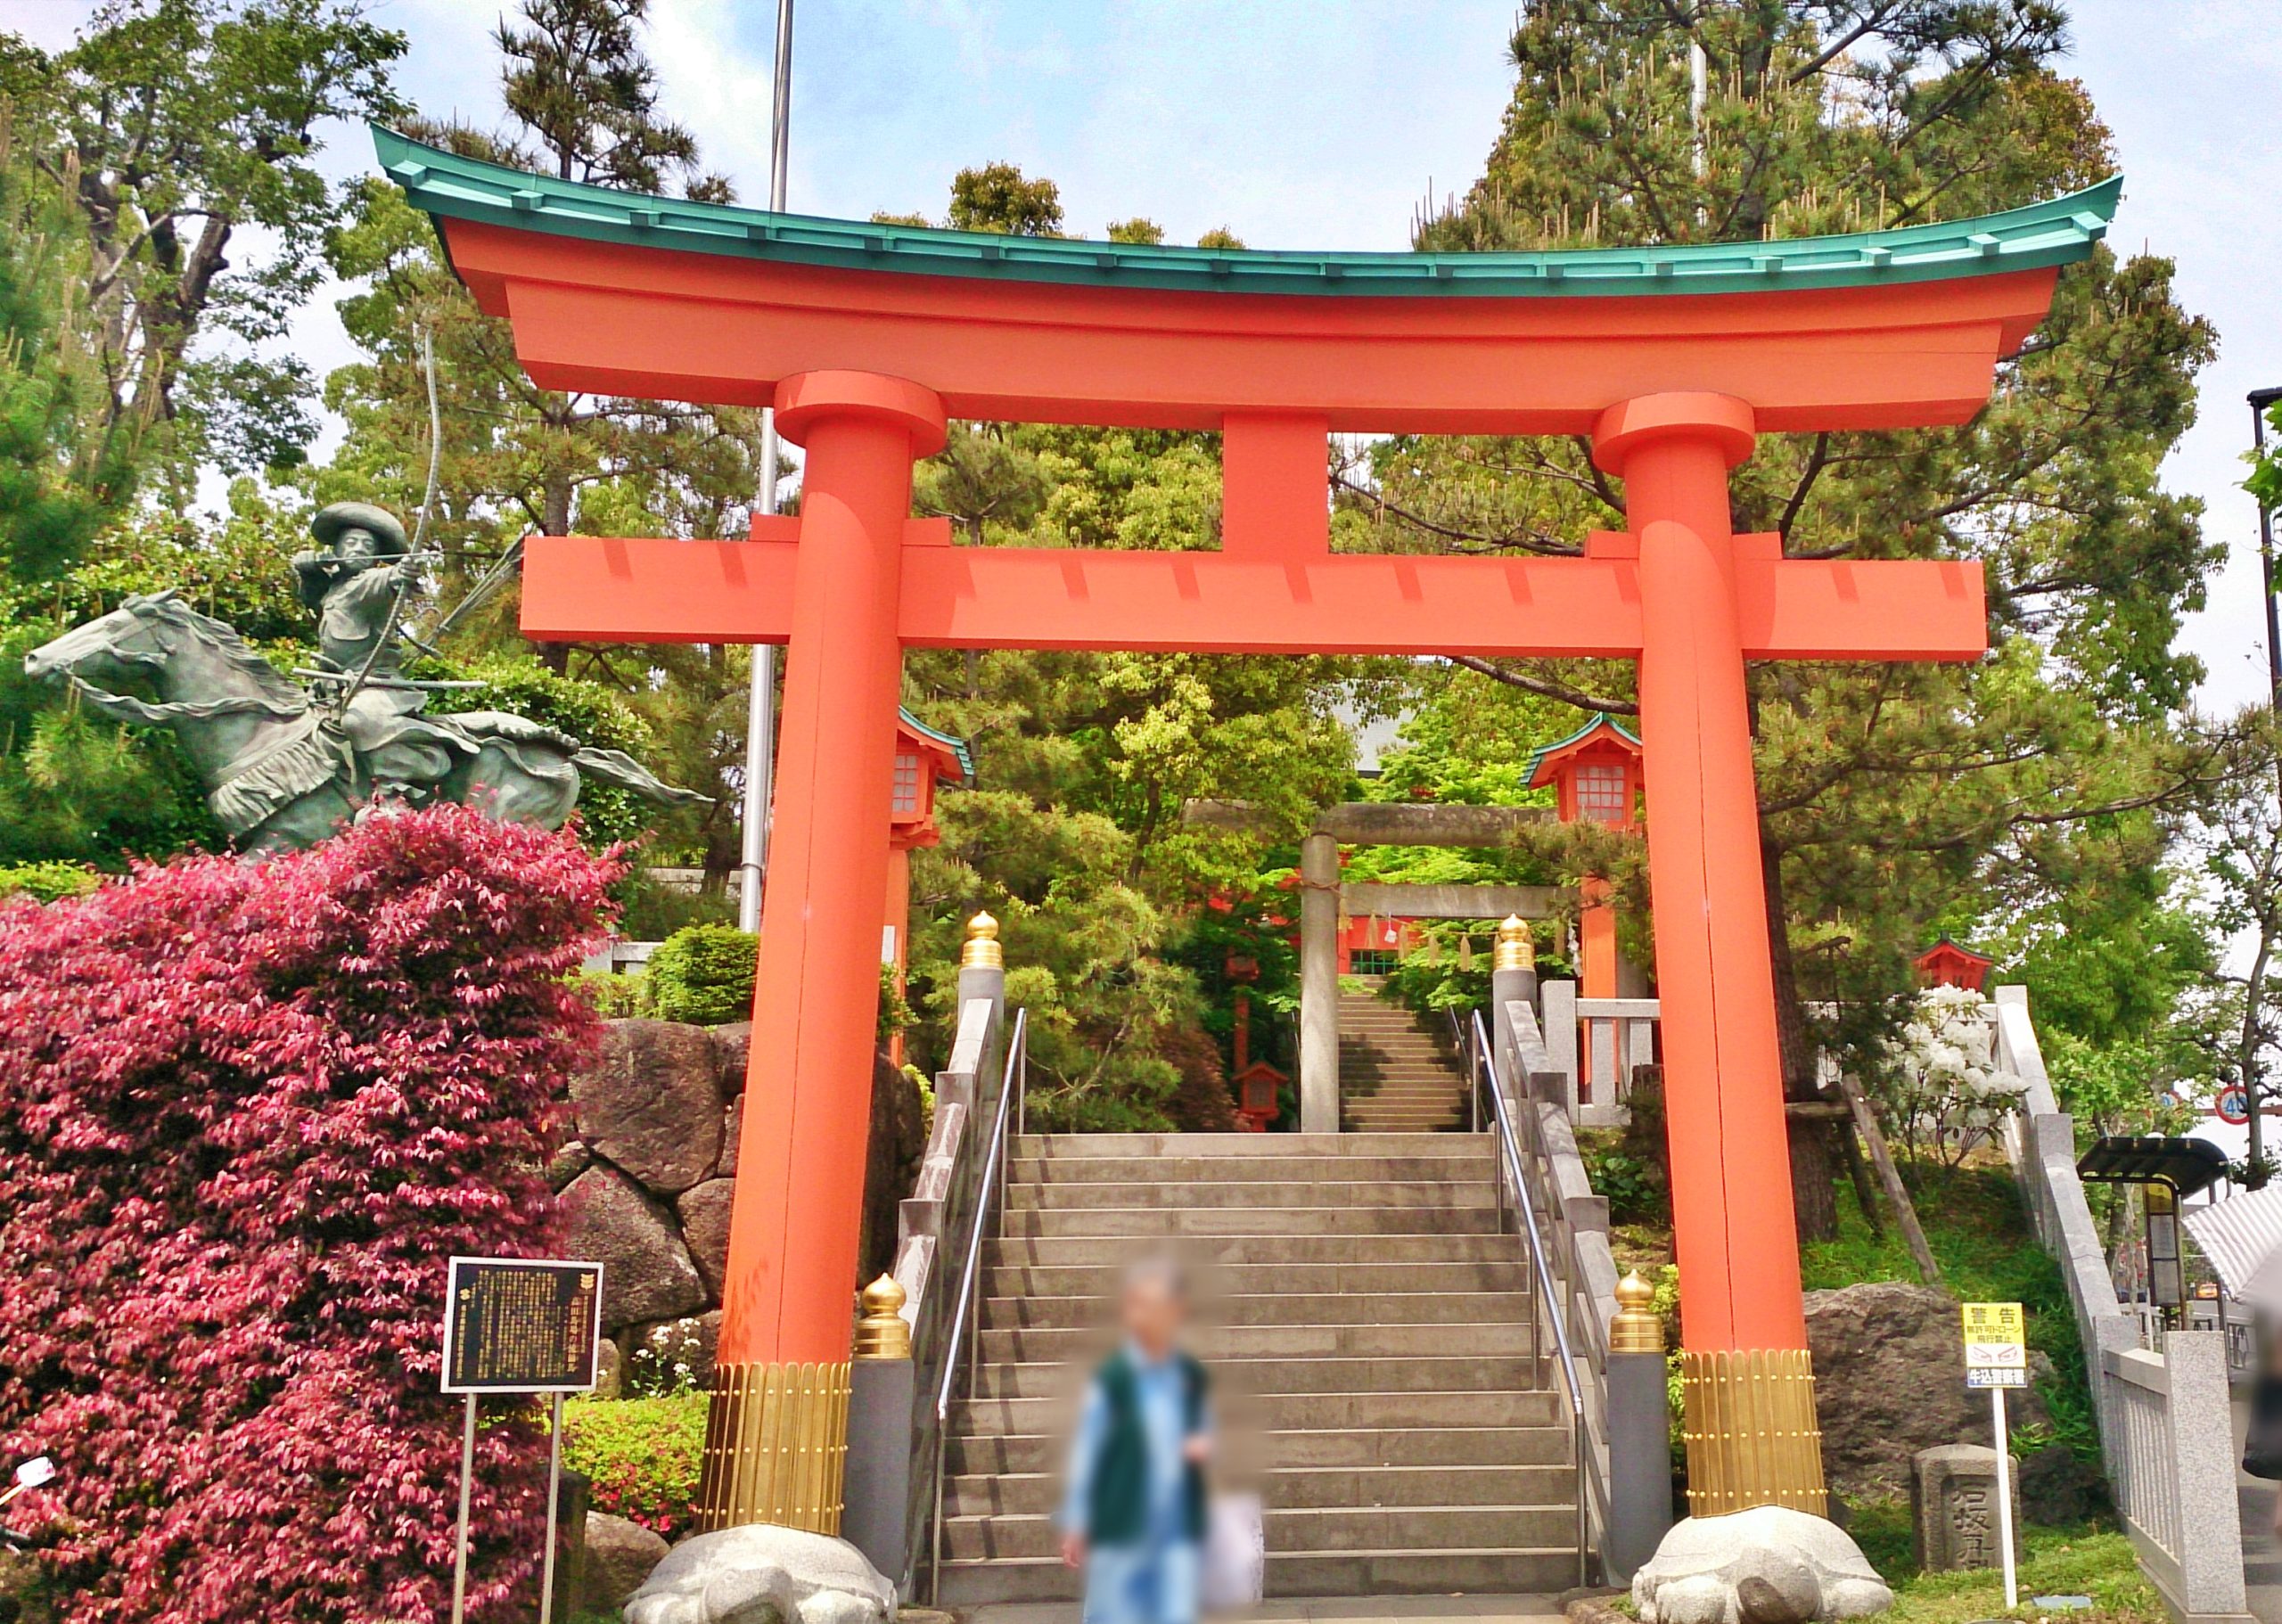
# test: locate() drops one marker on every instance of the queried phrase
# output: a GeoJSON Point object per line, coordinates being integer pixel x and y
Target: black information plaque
{"type": "Point", "coordinates": [522, 1325]}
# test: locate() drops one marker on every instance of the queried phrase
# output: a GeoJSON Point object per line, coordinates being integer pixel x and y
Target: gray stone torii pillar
{"type": "Point", "coordinates": [1373, 822]}
{"type": "Point", "coordinates": [1319, 983]}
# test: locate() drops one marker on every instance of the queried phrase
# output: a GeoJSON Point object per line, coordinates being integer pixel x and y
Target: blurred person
{"type": "Point", "coordinates": [1133, 1515]}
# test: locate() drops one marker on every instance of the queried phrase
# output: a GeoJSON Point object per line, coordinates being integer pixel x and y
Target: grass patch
{"type": "Point", "coordinates": [1981, 1237]}
{"type": "Point", "coordinates": [2088, 1559]}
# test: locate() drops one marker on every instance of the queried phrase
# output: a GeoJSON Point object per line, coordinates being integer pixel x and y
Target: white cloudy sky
{"type": "Point", "coordinates": [1315, 123]}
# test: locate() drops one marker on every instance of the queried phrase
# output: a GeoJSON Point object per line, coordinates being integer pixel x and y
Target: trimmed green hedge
{"type": "Point", "coordinates": [641, 1455]}
{"type": "Point", "coordinates": [703, 975]}
{"type": "Point", "coordinates": [46, 882]}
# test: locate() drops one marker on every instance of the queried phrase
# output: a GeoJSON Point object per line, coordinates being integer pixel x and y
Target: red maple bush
{"type": "Point", "coordinates": [247, 1111]}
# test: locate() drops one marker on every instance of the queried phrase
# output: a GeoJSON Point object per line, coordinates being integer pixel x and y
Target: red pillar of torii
{"type": "Point", "coordinates": [866, 338]}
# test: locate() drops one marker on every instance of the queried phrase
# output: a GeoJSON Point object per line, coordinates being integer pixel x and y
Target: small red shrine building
{"type": "Point", "coordinates": [1947, 964]}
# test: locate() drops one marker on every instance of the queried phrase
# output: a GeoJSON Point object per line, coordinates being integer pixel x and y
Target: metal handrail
{"type": "Point", "coordinates": [1591, 1491]}
{"type": "Point", "coordinates": [1012, 1088]}
{"type": "Point", "coordinates": [1462, 1045]}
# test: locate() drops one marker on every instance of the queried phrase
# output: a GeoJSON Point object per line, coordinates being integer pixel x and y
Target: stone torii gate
{"type": "Point", "coordinates": [866, 338]}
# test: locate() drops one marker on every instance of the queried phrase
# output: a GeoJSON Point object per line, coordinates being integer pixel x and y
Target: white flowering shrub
{"type": "Point", "coordinates": [1945, 1092]}
{"type": "Point", "coordinates": [669, 1359]}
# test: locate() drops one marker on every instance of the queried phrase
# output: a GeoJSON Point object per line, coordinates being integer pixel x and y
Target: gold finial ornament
{"type": "Point", "coordinates": [1515, 950]}
{"type": "Point", "coordinates": [1637, 1327]}
{"type": "Point", "coordinates": [982, 951]}
{"type": "Point", "coordinates": [883, 1332]}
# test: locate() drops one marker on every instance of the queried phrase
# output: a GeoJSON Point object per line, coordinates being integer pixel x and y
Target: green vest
{"type": "Point", "coordinates": [1117, 1512]}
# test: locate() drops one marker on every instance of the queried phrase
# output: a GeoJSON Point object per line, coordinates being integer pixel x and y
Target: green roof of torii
{"type": "Point", "coordinates": [2041, 234]}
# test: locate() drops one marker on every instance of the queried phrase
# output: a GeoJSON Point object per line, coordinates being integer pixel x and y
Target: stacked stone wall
{"type": "Point", "coordinates": [648, 1171]}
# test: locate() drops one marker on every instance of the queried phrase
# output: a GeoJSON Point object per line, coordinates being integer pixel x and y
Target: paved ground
{"type": "Point", "coordinates": [2262, 1551]}
{"type": "Point", "coordinates": [1342, 1610]}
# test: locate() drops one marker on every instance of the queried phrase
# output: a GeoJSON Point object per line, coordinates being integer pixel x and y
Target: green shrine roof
{"type": "Point", "coordinates": [2041, 234]}
{"type": "Point", "coordinates": [960, 750]}
{"type": "Point", "coordinates": [1545, 752]}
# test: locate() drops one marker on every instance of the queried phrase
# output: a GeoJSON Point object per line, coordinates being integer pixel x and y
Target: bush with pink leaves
{"type": "Point", "coordinates": [247, 1111]}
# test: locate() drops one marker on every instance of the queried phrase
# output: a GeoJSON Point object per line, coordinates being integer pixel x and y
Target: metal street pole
{"type": "Point", "coordinates": [760, 705]}
{"type": "Point", "coordinates": [2260, 402]}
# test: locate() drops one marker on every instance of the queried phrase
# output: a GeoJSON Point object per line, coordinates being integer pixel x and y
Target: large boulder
{"type": "Point", "coordinates": [732, 1052]}
{"type": "Point", "coordinates": [652, 1102]}
{"type": "Point", "coordinates": [647, 1274]}
{"type": "Point", "coordinates": [705, 1228]}
{"type": "Point", "coordinates": [1890, 1382]}
{"type": "Point", "coordinates": [763, 1575]}
{"type": "Point", "coordinates": [620, 1555]}
{"type": "Point", "coordinates": [1768, 1565]}
{"type": "Point", "coordinates": [733, 1127]}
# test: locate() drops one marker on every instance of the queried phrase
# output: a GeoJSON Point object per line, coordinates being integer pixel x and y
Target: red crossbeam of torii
{"type": "Point", "coordinates": [865, 339]}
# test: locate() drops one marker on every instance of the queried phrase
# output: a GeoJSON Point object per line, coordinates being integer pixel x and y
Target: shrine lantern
{"type": "Point", "coordinates": [924, 760]}
{"type": "Point", "coordinates": [1947, 964]}
{"type": "Point", "coordinates": [1595, 773]}
{"type": "Point", "coordinates": [1257, 1085]}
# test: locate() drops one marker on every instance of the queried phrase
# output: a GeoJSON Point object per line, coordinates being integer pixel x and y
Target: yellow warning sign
{"type": "Point", "coordinates": [1996, 1345]}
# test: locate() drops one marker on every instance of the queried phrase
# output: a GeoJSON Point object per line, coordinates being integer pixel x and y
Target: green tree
{"type": "Point", "coordinates": [2238, 839]}
{"type": "Point", "coordinates": [577, 80]}
{"type": "Point", "coordinates": [1076, 840]}
{"type": "Point", "coordinates": [1891, 796]}
{"type": "Point", "coordinates": [165, 132]}
{"type": "Point", "coordinates": [517, 457]}
{"type": "Point", "coordinates": [997, 197]}
{"type": "Point", "coordinates": [63, 472]}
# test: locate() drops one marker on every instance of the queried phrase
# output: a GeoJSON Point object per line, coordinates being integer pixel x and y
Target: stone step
{"type": "Point", "coordinates": [1505, 1572]}
{"type": "Point", "coordinates": [1493, 1375]}
{"type": "Point", "coordinates": [1402, 1310]}
{"type": "Point", "coordinates": [1059, 1146]}
{"type": "Point", "coordinates": [1246, 1293]}
{"type": "Point", "coordinates": [1415, 1164]}
{"type": "Point", "coordinates": [1169, 1222]}
{"type": "Point", "coordinates": [1005, 1340]}
{"type": "Point", "coordinates": [1197, 1196]}
{"type": "Point", "coordinates": [1203, 1251]}
{"type": "Point", "coordinates": [1037, 1494]}
{"type": "Point", "coordinates": [1353, 1448]}
{"type": "Point", "coordinates": [1373, 1528]}
{"type": "Point", "coordinates": [1389, 1411]}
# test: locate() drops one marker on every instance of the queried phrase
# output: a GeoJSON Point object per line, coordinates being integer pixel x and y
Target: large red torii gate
{"type": "Point", "coordinates": [866, 338]}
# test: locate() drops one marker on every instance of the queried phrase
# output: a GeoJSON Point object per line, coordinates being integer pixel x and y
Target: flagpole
{"type": "Point", "coordinates": [760, 706]}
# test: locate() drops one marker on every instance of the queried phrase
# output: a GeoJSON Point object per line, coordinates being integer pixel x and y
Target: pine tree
{"type": "Point", "coordinates": [2010, 798]}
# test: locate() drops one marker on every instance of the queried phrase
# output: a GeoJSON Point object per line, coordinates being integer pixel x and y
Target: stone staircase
{"type": "Point", "coordinates": [1396, 1072]}
{"type": "Point", "coordinates": [1367, 1325]}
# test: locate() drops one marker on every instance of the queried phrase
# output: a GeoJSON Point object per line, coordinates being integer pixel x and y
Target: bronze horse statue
{"type": "Point", "coordinates": [280, 769]}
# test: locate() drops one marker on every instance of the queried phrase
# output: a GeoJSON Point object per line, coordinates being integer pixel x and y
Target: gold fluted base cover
{"type": "Point", "coordinates": [775, 1447]}
{"type": "Point", "coordinates": [1752, 1439]}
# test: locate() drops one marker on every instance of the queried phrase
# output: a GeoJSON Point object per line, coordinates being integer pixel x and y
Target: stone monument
{"type": "Point", "coordinates": [1953, 1508]}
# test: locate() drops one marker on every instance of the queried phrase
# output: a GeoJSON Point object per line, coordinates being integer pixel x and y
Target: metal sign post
{"type": "Point", "coordinates": [554, 1503]}
{"type": "Point", "coordinates": [1997, 1357]}
{"type": "Point", "coordinates": [459, 1542]}
{"type": "Point", "coordinates": [519, 1326]}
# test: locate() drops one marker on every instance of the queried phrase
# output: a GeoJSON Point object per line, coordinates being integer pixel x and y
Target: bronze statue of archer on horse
{"type": "Point", "coordinates": [285, 765]}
